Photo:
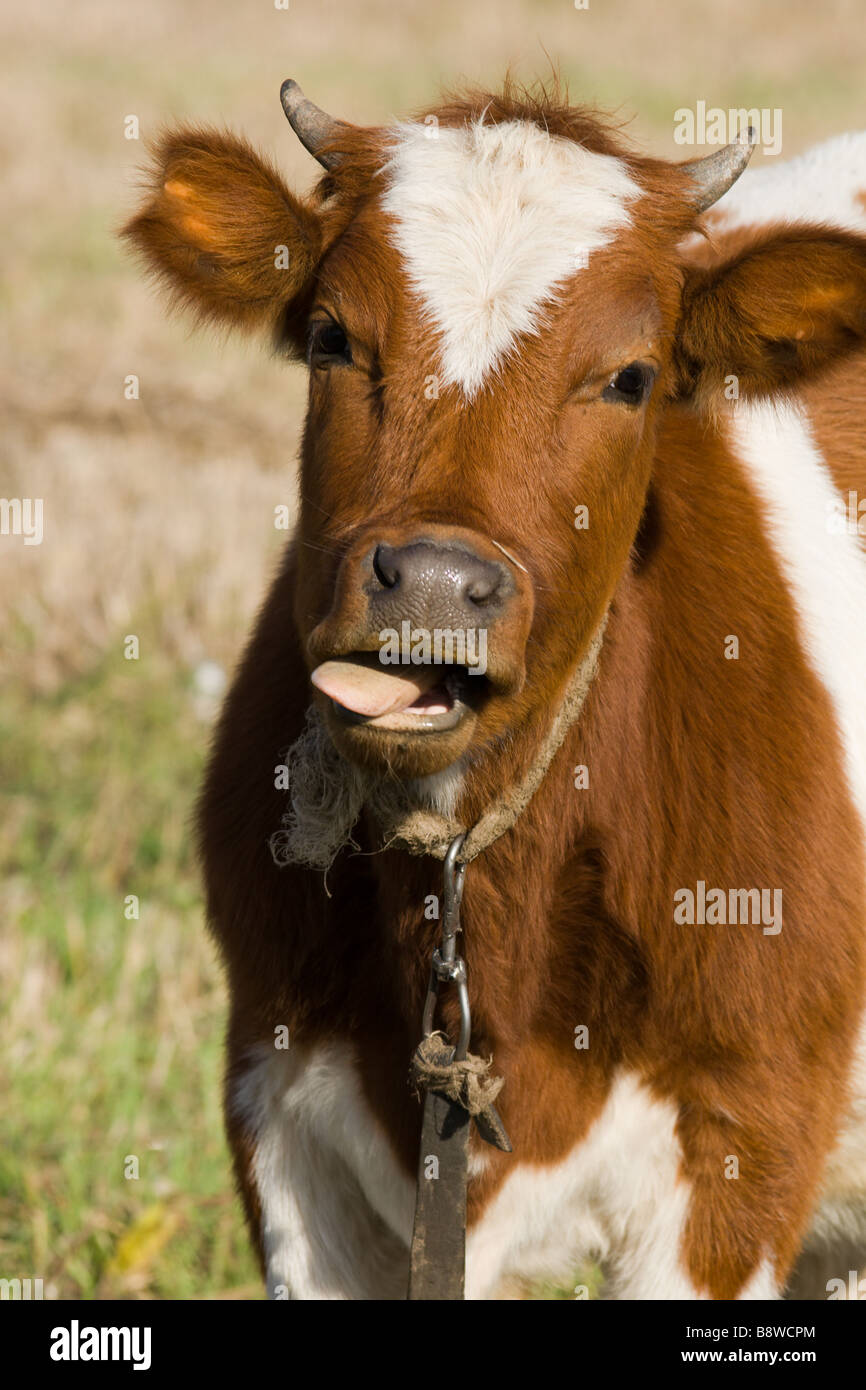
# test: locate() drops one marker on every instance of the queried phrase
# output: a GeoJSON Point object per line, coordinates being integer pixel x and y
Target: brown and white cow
{"type": "Point", "coordinates": [511, 327]}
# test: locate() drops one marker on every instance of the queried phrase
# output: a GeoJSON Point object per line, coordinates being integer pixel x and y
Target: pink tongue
{"type": "Point", "coordinates": [374, 690]}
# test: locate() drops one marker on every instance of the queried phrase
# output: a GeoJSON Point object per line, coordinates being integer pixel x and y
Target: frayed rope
{"type": "Point", "coordinates": [465, 1082]}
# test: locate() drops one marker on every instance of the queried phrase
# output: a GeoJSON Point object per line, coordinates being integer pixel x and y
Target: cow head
{"type": "Point", "coordinates": [494, 306]}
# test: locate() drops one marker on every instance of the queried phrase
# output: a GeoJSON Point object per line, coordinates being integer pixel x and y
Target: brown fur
{"type": "Point", "coordinates": [211, 230]}
{"type": "Point", "coordinates": [787, 304]}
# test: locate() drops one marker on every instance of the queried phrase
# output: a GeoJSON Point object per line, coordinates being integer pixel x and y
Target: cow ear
{"type": "Point", "coordinates": [773, 315]}
{"type": "Point", "coordinates": [223, 233]}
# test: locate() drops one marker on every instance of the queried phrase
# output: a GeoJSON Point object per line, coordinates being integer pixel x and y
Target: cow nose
{"type": "Point", "coordinates": [437, 585]}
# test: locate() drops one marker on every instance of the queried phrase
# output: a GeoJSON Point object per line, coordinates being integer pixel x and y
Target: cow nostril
{"type": "Point", "coordinates": [385, 567]}
{"type": "Point", "coordinates": [481, 591]}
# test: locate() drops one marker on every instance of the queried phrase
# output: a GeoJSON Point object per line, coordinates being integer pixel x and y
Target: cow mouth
{"type": "Point", "coordinates": [401, 699]}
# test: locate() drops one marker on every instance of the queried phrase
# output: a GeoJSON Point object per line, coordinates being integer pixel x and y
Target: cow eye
{"type": "Point", "coordinates": [632, 384]}
{"type": "Point", "coordinates": [327, 343]}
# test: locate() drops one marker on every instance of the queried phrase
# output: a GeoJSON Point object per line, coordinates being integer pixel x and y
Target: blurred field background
{"type": "Point", "coordinates": [158, 518]}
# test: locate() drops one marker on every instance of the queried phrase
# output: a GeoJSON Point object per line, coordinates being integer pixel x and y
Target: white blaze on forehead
{"type": "Point", "coordinates": [490, 220]}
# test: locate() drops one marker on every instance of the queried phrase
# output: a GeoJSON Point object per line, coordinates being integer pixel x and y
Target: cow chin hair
{"type": "Point", "coordinates": [326, 795]}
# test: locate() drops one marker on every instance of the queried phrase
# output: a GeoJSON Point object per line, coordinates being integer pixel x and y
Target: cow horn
{"type": "Point", "coordinates": [713, 174]}
{"type": "Point", "coordinates": [313, 127]}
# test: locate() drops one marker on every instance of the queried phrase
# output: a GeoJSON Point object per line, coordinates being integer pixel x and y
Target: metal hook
{"type": "Point", "coordinates": [446, 964]}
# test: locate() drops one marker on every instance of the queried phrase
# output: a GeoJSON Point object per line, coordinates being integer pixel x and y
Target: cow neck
{"type": "Point", "coordinates": [430, 832]}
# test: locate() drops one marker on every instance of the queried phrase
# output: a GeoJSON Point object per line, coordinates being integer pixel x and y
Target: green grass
{"type": "Point", "coordinates": [113, 1033]}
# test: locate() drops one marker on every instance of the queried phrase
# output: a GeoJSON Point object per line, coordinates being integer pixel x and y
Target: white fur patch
{"type": "Point", "coordinates": [763, 1284]}
{"type": "Point", "coordinates": [618, 1198]}
{"type": "Point", "coordinates": [825, 568]}
{"type": "Point", "coordinates": [821, 185]}
{"type": "Point", "coordinates": [337, 1208]}
{"type": "Point", "coordinates": [440, 791]}
{"type": "Point", "coordinates": [490, 221]}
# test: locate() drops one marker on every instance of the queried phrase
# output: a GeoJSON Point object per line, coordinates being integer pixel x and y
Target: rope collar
{"type": "Point", "coordinates": [430, 832]}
